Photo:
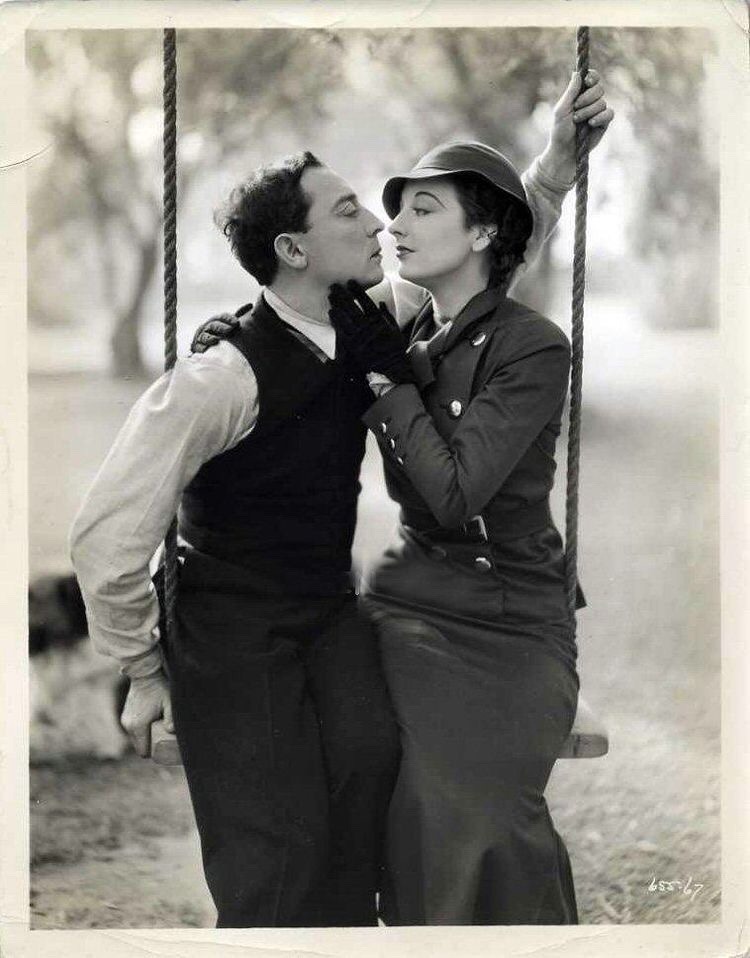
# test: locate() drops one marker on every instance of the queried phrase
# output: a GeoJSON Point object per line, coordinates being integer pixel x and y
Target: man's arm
{"type": "Point", "coordinates": [201, 408]}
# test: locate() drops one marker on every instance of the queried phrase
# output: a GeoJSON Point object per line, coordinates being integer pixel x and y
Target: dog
{"type": "Point", "coordinates": [76, 695]}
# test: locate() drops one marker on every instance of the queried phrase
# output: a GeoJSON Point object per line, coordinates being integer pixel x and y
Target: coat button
{"type": "Point", "coordinates": [455, 409]}
{"type": "Point", "coordinates": [399, 460]}
{"type": "Point", "coordinates": [383, 428]}
{"type": "Point", "coordinates": [392, 443]}
{"type": "Point", "coordinates": [479, 339]}
{"type": "Point", "coordinates": [482, 564]}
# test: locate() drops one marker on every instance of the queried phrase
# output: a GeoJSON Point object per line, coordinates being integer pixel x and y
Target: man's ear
{"type": "Point", "coordinates": [482, 237]}
{"type": "Point", "coordinates": [289, 252]}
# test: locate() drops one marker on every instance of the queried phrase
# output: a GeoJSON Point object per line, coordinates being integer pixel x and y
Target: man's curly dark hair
{"type": "Point", "coordinates": [484, 204]}
{"type": "Point", "coordinates": [271, 201]}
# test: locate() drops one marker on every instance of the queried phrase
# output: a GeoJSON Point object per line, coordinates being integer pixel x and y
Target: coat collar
{"type": "Point", "coordinates": [488, 301]}
{"type": "Point", "coordinates": [426, 348]}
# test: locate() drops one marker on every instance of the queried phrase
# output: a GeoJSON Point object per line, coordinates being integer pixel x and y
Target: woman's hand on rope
{"type": "Point", "coordinates": [580, 103]}
{"type": "Point", "coordinates": [211, 332]}
{"type": "Point", "coordinates": [368, 334]}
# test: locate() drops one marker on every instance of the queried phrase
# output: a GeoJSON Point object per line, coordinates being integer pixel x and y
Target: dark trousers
{"type": "Point", "coordinates": [290, 749]}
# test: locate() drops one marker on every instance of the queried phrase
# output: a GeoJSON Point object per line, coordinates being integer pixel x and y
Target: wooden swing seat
{"type": "Point", "coordinates": [164, 748]}
{"type": "Point", "coordinates": [588, 739]}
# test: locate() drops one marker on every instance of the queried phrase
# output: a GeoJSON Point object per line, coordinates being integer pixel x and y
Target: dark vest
{"type": "Point", "coordinates": [283, 502]}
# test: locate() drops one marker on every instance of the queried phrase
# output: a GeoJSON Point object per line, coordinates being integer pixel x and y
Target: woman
{"type": "Point", "coordinates": [477, 641]}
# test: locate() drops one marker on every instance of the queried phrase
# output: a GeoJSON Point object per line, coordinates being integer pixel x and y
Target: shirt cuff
{"type": "Point", "coordinates": [389, 417]}
{"type": "Point", "coordinates": [547, 178]}
{"type": "Point", "coordinates": [379, 383]}
{"type": "Point", "coordinates": [143, 665]}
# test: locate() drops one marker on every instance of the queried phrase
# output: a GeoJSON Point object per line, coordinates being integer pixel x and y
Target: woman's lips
{"type": "Point", "coordinates": [403, 251]}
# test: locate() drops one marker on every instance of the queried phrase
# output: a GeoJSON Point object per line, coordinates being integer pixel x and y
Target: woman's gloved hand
{"type": "Point", "coordinates": [211, 332]}
{"type": "Point", "coordinates": [368, 334]}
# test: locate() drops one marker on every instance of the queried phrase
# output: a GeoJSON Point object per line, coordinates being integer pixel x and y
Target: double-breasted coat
{"type": "Point", "coordinates": [475, 634]}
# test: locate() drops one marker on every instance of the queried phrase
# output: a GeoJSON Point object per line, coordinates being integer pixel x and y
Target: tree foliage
{"type": "Point", "coordinates": [98, 197]}
{"type": "Point", "coordinates": [95, 201]}
{"type": "Point", "coordinates": [487, 83]}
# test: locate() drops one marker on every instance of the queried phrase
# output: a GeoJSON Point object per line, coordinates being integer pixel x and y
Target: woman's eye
{"type": "Point", "coordinates": [420, 211]}
{"type": "Point", "coordinates": [350, 210]}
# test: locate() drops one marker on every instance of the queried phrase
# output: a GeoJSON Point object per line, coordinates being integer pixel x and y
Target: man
{"type": "Point", "coordinates": [284, 723]}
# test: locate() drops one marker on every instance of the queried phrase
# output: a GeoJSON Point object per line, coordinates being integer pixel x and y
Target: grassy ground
{"type": "Point", "coordinates": [113, 844]}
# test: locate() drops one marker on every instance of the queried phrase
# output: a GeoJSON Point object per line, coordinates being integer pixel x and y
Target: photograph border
{"type": "Point", "coordinates": [19, 144]}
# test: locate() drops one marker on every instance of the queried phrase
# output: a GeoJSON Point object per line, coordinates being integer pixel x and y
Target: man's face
{"type": "Point", "coordinates": [341, 242]}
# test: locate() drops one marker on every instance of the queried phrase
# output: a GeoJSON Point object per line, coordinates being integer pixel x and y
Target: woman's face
{"type": "Point", "coordinates": [432, 241]}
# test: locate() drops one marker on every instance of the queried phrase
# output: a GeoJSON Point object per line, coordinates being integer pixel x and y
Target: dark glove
{"type": "Point", "coordinates": [368, 334]}
{"type": "Point", "coordinates": [211, 332]}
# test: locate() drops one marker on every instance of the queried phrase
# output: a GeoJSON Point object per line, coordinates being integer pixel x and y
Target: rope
{"type": "Point", "coordinates": [576, 338]}
{"type": "Point", "coordinates": [170, 285]}
{"type": "Point", "coordinates": [579, 282]}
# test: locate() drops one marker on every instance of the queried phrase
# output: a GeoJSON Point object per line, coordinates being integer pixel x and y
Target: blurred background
{"type": "Point", "coordinates": [113, 842]}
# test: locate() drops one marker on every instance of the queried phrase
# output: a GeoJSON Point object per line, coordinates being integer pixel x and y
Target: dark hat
{"type": "Point", "coordinates": [460, 157]}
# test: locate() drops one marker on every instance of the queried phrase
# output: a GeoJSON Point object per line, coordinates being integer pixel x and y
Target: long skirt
{"type": "Point", "coordinates": [483, 711]}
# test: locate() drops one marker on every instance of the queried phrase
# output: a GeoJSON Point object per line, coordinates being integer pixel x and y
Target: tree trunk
{"type": "Point", "coordinates": [126, 356]}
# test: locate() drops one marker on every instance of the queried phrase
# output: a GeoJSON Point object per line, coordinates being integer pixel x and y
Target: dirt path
{"type": "Point", "coordinates": [114, 845]}
{"type": "Point", "coordinates": [155, 885]}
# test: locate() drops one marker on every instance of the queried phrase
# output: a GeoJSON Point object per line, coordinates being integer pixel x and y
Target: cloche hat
{"type": "Point", "coordinates": [460, 157]}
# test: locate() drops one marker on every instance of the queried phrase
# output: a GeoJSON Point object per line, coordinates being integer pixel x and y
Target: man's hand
{"type": "Point", "coordinates": [368, 333]}
{"type": "Point", "coordinates": [147, 700]}
{"type": "Point", "coordinates": [577, 105]}
{"type": "Point", "coordinates": [211, 332]}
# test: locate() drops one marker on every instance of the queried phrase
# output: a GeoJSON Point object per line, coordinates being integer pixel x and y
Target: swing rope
{"type": "Point", "coordinates": [583, 741]}
{"type": "Point", "coordinates": [576, 338]}
{"type": "Point", "coordinates": [170, 284]}
{"type": "Point", "coordinates": [579, 282]}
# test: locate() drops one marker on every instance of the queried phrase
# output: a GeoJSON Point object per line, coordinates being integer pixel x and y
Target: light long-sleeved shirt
{"type": "Point", "coordinates": [204, 406]}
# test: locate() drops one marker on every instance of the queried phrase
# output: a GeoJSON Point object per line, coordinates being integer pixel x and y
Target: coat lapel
{"type": "Point", "coordinates": [418, 350]}
{"type": "Point", "coordinates": [426, 350]}
{"type": "Point", "coordinates": [474, 311]}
